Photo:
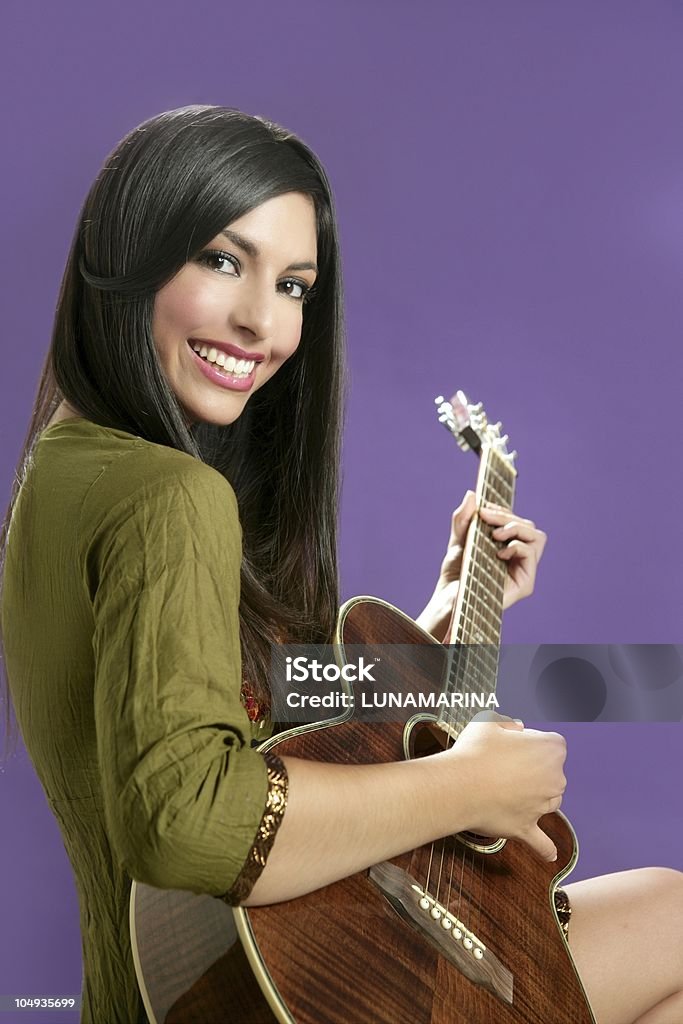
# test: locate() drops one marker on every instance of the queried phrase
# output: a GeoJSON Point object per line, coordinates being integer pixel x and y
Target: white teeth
{"type": "Point", "coordinates": [238, 367]}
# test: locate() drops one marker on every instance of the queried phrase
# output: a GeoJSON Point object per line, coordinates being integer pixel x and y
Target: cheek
{"type": "Point", "coordinates": [178, 308]}
{"type": "Point", "coordinates": [291, 338]}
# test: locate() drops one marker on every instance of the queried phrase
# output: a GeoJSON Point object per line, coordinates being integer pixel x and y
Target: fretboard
{"type": "Point", "coordinates": [476, 625]}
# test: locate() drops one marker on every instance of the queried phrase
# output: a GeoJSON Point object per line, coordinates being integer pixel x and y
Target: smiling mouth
{"type": "Point", "coordinates": [227, 365]}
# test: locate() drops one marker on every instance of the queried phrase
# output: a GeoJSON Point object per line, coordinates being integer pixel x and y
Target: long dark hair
{"type": "Point", "coordinates": [165, 191]}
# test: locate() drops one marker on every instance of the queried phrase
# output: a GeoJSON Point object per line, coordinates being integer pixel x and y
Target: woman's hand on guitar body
{"type": "Point", "coordinates": [514, 776]}
{"type": "Point", "coordinates": [524, 544]}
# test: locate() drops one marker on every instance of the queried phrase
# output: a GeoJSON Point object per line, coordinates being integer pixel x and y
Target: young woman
{"type": "Point", "coordinates": [175, 514]}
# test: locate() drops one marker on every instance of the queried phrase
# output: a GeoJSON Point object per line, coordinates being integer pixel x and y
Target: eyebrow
{"type": "Point", "coordinates": [252, 251]}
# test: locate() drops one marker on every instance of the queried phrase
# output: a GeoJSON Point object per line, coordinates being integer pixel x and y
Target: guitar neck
{"type": "Point", "coordinates": [476, 624]}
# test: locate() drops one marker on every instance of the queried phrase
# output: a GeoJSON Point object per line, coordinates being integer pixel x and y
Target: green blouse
{"type": "Point", "coordinates": [120, 618]}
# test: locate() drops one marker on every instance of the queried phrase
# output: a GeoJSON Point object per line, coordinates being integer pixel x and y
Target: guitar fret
{"type": "Point", "coordinates": [502, 496]}
{"type": "Point", "coordinates": [478, 635]}
{"type": "Point", "coordinates": [489, 617]}
{"type": "Point", "coordinates": [485, 652]}
{"type": "Point", "coordinates": [479, 571]}
{"type": "Point", "coordinates": [476, 628]}
{"type": "Point", "coordinates": [494, 475]}
{"type": "Point", "coordinates": [477, 670]}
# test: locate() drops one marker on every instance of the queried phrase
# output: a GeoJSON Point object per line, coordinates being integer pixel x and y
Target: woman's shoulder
{"type": "Point", "coordinates": [126, 470]}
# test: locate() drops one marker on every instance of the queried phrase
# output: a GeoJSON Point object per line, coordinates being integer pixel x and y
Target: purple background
{"type": "Point", "coordinates": [509, 181]}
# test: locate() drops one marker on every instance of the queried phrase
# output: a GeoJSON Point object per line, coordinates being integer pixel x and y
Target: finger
{"type": "Point", "coordinates": [487, 717]}
{"type": "Point", "coordinates": [513, 723]}
{"type": "Point", "coordinates": [491, 718]}
{"type": "Point", "coordinates": [468, 500]}
{"type": "Point", "coordinates": [497, 514]}
{"type": "Point", "coordinates": [519, 549]}
{"type": "Point", "coordinates": [503, 519]}
{"type": "Point", "coordinates": [559, 740]}
{"type": "Point", "coordinates": [516, 528]}
{"type": "Point", "coordinates": [540, 843]}
{"type": "Point", "coordinates": [554, 804]}
{"type": "Point", "coordinates": [461, 518]}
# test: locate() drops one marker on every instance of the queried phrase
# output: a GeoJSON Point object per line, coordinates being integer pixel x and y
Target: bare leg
{"type": "Point", "coordinates": [626, 938]}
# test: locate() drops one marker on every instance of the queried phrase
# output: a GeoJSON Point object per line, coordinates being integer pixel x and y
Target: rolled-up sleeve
{"type": "Point", "coordinates": [188, 802]}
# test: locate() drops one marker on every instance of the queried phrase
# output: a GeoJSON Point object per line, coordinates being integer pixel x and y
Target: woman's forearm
{"type": "Point", "coordinates": [497, 780]}
{"type": "Point", "coordinates": [435, 617]}
{"type": "Point", "coordinates": [341, 819]}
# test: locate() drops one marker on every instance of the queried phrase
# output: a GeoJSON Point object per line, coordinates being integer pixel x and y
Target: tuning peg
{"type": "Point", "coordinates": [439, 400]}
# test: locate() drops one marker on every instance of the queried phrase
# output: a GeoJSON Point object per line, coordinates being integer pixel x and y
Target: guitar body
{"type": "Point", "coordinates": [343, 954]}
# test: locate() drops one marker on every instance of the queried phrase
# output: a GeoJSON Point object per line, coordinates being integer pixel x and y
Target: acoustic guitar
{"type": "Point", "coordinates": [460, 931]}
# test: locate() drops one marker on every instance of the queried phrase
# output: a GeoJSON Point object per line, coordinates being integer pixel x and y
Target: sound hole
{"type": "Point", "coordinates": [427, 738]}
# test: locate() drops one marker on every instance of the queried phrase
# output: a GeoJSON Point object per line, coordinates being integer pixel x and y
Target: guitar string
{"type": "Point", "coordinates": [482, 677]}
{"type": "Point", "coordinates": [459, 668]}
{"type": "Point", "coordinates": [449, 742]}
{"type": "Point", "coordinates": [441, 860]}
{"type": "Point", "coordinates": [457, 653]}
{"type": "Point", "coordinates": [468, 674]}
{"type": "Point", "coordinates": [504, 496]}
{"type": "Point", "coordinates": [475, 596]}
{"type": "Point", "coordinates": [476, 604]}
{"type": "Point", "coordinates": [444, 844]}
{"type": "Point", "coordinates": [457, 722]}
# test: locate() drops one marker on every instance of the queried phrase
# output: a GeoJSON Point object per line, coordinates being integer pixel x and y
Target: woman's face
{"type": "Point", "coordinates": [240, 301]}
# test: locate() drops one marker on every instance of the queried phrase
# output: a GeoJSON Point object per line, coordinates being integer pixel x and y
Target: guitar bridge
{"type": "Point", "coordinates": [443, 930]}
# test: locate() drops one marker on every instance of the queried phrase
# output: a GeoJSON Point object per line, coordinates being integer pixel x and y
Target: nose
{"type": "Point", "coordinates": [253, 308]}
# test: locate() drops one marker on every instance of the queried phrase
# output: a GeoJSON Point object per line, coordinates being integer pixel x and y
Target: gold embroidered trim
{"type": "Point", "coordinates": [564, 910]}
{"type": "Point", "coordinates": [276, 801]}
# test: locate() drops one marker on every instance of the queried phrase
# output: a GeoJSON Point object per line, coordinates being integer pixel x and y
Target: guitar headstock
{"type": "Point", "coordinates": [470, 427]}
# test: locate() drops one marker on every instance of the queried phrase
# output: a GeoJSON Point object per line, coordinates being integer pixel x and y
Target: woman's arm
{"type": "Point", "coordinates": [183, 790]}
{"type": "Point", "coordinates": [497, 780]}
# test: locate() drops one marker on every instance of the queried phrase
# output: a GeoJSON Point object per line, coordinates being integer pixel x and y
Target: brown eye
{"type": "Point", "coordinates": [295, 289]}
{"type": "Point", "coordinates": [212, 258]}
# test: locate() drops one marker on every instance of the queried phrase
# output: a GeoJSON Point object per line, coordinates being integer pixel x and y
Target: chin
{"type": "Point", "coordinates": [214, 417]}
